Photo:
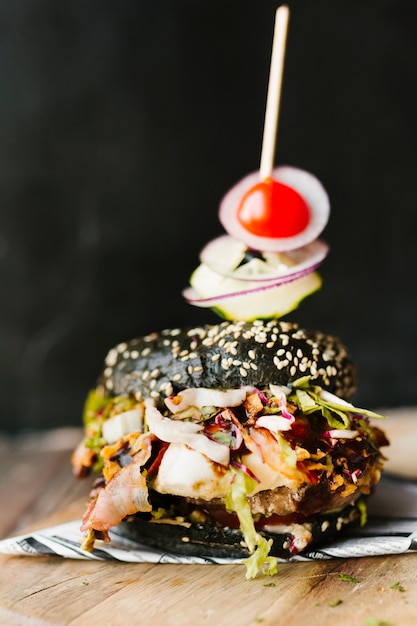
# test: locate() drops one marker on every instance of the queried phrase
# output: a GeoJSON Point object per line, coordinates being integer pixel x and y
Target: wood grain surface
{"type": "Point", "coordinates": [37, 489]}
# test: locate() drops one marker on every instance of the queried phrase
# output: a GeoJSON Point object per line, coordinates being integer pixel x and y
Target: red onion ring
{"type": "Point", "coordinates": [193, 297]}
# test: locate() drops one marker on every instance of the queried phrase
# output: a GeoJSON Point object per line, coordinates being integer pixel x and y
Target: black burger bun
{"type": "Point", "coordinates": [208, 540]}
{"type": "Point", "coordinates": [227, 355]}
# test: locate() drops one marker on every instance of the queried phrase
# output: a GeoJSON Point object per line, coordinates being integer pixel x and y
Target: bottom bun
{"type": "Point", "coordinates": [207, 540]}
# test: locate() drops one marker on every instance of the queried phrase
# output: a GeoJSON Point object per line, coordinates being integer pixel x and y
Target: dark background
{"type": "Point", "coordinates": [123, 122]}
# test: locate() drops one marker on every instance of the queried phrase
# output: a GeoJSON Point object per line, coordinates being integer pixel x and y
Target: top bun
{"type": "Point", "coordinates": [227, 355]}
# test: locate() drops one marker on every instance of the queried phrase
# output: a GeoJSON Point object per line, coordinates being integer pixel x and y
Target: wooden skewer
{"type": "Point", "coordinates": [274, 92]}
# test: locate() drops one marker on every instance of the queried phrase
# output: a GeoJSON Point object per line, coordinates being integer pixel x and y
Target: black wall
{"type": "Point", "coordinates": [122, 125]}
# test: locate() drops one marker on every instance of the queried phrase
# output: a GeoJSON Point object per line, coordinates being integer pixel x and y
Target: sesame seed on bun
{"type": "Point", "coordinates": [227, 355]}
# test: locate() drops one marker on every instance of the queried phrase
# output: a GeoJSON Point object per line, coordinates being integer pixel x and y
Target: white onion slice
{"type": "Point", "coordinates": [343, 434]}
{"type": "Point", "coordinates": [327, 396]}
{"type": "Point", "coordinates": [189, 433]}
{"type": "Point", "coordinates": [307, 185]}
{"type": "Point", "coordinates": [224, 253]}
{"type": "Point", "coordinates": [202, 396]}
{"type": "Point", "coordinates": [275, 423]}
{"type": "Point", "coordinates": [122, 424]}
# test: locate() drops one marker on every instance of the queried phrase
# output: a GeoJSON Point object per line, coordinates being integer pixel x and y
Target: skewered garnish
{"type": "Point", "coordinates": [274, 210]}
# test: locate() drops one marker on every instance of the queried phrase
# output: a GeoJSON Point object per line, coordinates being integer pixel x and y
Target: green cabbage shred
{"type": "Point", "coordinates": [259, 560]}
{"type": "Point", "coordinates": [308, 398]}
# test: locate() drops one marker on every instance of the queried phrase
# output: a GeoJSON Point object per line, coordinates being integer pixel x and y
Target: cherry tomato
{"type": "Point", "coordinates": [272, 209]}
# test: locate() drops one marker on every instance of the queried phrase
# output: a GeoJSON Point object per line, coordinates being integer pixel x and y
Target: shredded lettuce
{"type": "Point", "coordinates": [97, 404]}
{"type": "Point", "coordinates": [363, 511]}
{"type": "Point", "coordinates": [259, 548]}
{"type": "Point", "coordinates": [288, 454]}
{"type": "Point", "coordinates": [94, 403]}
{"type": "Point", "coordinates": [222, 437]}
{"type": "Point", "coordinates": [311, 398]}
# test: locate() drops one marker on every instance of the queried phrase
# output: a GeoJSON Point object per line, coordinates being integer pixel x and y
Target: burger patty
{"type": "Point", "coordinates": [332, 491]}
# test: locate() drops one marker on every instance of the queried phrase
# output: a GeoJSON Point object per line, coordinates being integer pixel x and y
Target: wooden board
{"type": "Point", "coordinates": [44, 591]}
{"type": "Point", "coordinates": [58, 591]}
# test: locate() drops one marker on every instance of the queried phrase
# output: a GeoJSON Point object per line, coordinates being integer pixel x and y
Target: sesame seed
{"type": "Point", "coordinates": [280, 352]}
{"type": "Point", "coordinates": [270, 344]}
{"type": "Point", "coordinates": [111, 358]}
{"type": "Point", "coordinates": [134, 354]}
{"type": "Point", "coordinates": [146, 351]}
{"type": "Point", "coordinates": [293, 370]}
{"type": "Point", "coordinates": [200, 332]}
{"type": "Point", "coordinates": [176, 377]}
{"type": "Point", "coordinates": [108, 372]}
{"type": "Point", "coordinates": [285, 340]}
{"type": "Point", "coordinates": [215, 357]}
{"type": "Point", "coordinates": [251, 354]}
{"type": "Point", "coordinates": [243, 372]}
{"type": "Point", "coordinates": [121, 347]}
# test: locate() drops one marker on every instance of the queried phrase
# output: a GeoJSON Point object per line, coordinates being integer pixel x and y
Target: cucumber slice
{"type": "Point", "coordinates": [257, 301]}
